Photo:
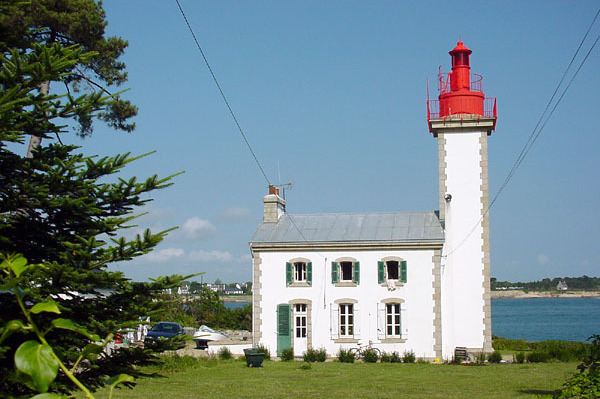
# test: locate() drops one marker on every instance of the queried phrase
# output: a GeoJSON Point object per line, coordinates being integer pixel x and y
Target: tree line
{"type": "Point", "coordinates": [583, 283]}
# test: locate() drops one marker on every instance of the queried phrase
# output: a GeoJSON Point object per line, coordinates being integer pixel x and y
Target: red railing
{"type": "Point", "coordinates": [444, 86]}
{"type": "Point", "coordinates": [489, 108]}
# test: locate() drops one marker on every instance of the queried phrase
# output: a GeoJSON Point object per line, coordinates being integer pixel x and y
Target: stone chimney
{"type": "Point", "coordinates": [274, 206]}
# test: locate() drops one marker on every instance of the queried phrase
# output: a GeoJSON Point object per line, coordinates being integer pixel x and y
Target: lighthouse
{"type": "Point", "coordinates": [461, 119]}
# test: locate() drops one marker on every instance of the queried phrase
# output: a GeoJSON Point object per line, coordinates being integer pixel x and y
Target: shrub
{"type": "Point", "coordinates": [480, 358]}
{"type": "Point", "coordinates": [345, 356]}
{"type": "Point", "coordinates": [495, 357]}
{"type": "Point", "coordinates": [395, 357]}
{"type": "Point", "coordinates": [520, 357]}
{"type": "Point", "coordinates": [385, 358]}
{"type": "Point", "coordinates": [585, 383]}
{"type": "Point", "coordinates": [409, 357]}
{"type": "Point", "coordinates": [370, 355]}
{"type": "Point", "coordinates": [422, 361]}
{"type": "Point", "coordinates": [315, 355]}
{"type": "Point", "coordinates": [287, 355]}
{"type": "Point", "coordinates": [264, 350]}
{"type": "Point", "coordinates": [538, 356]}
{"type": "Point", "coordinates": [224, 353]}
{"type": "Point", "coordinates": [563, 351]}
{"type": "Point", "coordinates": [505, 344]}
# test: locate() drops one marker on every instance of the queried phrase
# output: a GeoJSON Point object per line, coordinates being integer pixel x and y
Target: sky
{"type": "Point", "coordinates": [332, 98]}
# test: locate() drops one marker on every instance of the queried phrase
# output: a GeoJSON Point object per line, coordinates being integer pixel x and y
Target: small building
{"type": "Point", "coordinates": [403, 281]}
{"type": "Point", "coordinates": [562, 286]}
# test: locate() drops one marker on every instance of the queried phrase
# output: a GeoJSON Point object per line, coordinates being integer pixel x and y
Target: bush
{"type": "Point", "coordinates": [264, 350]}
{"type": "Point", "coordinates": [495, 357]}
{"type": "Point", "coordinates": [315, 355]}
{"type": "Point", "coordinates": [480, 358]}
{"type": "Point", "coordinates": [345, 356]}
{"type": "Point", "coordinates": [563, 351]}
{"type": "Point", "coordinates": [520, 357]}
{"type": "Point", "coordinates": [505, 344]}
{"type": "Point", "coordinates": [422, 361]}
{"type": "Point", "coordinates": [395, 357]}
{"type": "Point", "coordinates": [538, 356]}
{"type": "Point", "coordinates": [287, 355]}
{"type": "Point", "coordinates": [385, 358]}
{"type": "Point", "coordinates": [409, 357]}
{"type": "Point", "coordinates": [225, 353]}
{"type": "Point", "coordinates": [370, 355]}
{"type": "Point", "coordinates": [585, 383]}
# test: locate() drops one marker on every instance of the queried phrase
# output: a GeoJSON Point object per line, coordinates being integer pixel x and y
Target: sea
{"type": "Point", "coordinates": [539, 319]}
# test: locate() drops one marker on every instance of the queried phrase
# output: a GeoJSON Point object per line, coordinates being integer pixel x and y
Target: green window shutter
{"type": "Point", "coordinates": [309, 272]}
{"type": "Point", "coordinates": [284, 328]}
{"type": "Point", "coordinates": [380, 272]}
{"type": "Point", "coordinates": [288, 273]}
{"type": "Point", "coordinates": [356, 273]}
{"type": "Point", "coordinates": [334, 272]}
{"type": "Point", "coordinates": [403, 271]}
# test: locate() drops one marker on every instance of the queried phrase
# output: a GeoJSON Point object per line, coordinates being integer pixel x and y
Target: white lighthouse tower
{"type": "Point", "coordinates": [461, 119]}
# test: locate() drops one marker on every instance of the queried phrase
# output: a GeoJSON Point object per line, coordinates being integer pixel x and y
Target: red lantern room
{"type": "Point", "coordinates": [461, 92]}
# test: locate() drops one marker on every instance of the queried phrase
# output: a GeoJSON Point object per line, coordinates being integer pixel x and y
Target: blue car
{"type": "Point", "coordinates": [163, 329]}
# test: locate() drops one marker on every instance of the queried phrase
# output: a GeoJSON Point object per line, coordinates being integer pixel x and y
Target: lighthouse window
{"type": "Point", "coordinates": [460, 59]}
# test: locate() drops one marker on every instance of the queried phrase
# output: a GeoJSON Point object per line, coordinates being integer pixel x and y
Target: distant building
{"type": "Point", "coordinates": [562, 286]}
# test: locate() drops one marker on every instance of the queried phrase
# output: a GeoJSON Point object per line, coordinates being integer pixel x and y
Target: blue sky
{"type": "Point", "coordinates": [331, 96]}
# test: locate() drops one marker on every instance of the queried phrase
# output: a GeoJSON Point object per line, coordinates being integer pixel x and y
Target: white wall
{"type": "Point", "coordinates": [462, 269]}
{"type": "Point", "coordinates": [418, 318]}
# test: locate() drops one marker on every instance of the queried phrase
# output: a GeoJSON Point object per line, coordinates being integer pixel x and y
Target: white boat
{"type": "Point", "coordinates": [205, 334]}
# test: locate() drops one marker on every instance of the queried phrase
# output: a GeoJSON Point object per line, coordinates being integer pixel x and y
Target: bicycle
{"type": "Point", "coordinates": [364, 350]}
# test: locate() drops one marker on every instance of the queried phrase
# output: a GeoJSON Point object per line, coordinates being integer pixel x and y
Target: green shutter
{"type": "Point", "coordinates": [356, 273]}
{"type": "Point", "coordinates": [309, 272]}
{"type": "Point", "coordinates": [334, 272]}
{"type": "Point", "coordinates": [380, 272]}
{"type": "Point", "coordinates": [288, 273]}
{"type": "Point", "coordinates": [284, 328]}
{"type": "Point", "coordinates": [403, 271]}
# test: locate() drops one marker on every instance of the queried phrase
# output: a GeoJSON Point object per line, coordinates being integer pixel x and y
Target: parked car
{"type": "Point", "coordinates": [163, 329]}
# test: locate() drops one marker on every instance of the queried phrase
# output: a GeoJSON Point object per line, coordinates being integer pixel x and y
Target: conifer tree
{"type": "Point", "coordinates": [65, 212]}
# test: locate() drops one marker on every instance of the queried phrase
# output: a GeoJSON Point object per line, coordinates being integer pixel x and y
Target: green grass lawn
{"type": "Point", "coordinates": [232, 379]}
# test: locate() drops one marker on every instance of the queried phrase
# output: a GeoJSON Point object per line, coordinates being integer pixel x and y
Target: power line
{"type": "Point", "coordinates": [222, 93]}
{"type": "Point", "coordinates": [535, 133]}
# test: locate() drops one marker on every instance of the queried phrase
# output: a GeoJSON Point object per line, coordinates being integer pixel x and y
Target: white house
{"type": "Point", "coordinates": [404, 281]}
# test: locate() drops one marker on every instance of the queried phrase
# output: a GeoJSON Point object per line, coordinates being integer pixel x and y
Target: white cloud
{"type": "Point", "coordinates": [164, 255]}
{"type": "Point", "coordinates": [238, 213]}
{"type": "Point", "coordinates": [210, 256]}
{"type": "Point", "coordinates": [196, 228]}
{"type": "Point", "coordinates": [542, 259]}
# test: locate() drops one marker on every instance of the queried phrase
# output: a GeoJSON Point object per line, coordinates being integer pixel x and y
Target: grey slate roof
{"type": "Point", "coordinates": [387, 227]}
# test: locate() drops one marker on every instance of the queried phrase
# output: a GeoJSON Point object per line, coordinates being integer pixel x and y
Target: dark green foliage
{"type": "Point", "coordinates": [395, 357]}
{"type": "Point", "coordinates": [586, 382]}
{"type": "Point", "coordinates": [264, 350]}
{"type": "Point", "coordinates": [315, 355]}
{"type": "Point", "coordinates": [538, 357]}
{"type": "Point", "coordinates": [225, 353]}
{"type": "Point", "coordinates": [385, 357]}
{"type": "Point", "coordinates": [563, 351]}
{"type": "Point", "coordinates": [495, 357]}
{"type": "Point", "coordinates": [409, 357]}
{"type": "Point", "coordinates": [287, 355]}
{"type": "Point", "coordinates": [174, 363]}
{"type": "Point", "coordinates": [370, 355]}
{"type": "Point", "coordinates": [345, 356]}
{"type": "Point", "coordinates": [574, 283]}
{"type": "Point", "coordinates": [520, 357]}
{"type": "Point", "coordinates": [23, 24]}
{"type": "Point", "coordinates": [64, 212]}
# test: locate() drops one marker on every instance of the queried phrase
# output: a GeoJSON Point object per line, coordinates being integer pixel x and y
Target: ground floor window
{"type": "Point", "coordinates": [393, 326]}
{"type": "Point", "coordinates": [346, 320]}
{"type": "Point", "coordinates": [300, 316]}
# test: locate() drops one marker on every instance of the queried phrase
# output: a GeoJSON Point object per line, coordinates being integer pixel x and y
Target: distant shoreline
{"type": "Point", "coordinates": [236, 298]}
{"type": "Point", "coordinates": [520, 294]}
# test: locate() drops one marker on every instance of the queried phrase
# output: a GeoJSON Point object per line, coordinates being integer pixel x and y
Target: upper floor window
{"type": "Point", "coordinates": [298, 272]}
{"type": "Point", "coordinates": [345, 271]}
{"type": "Point", "coordinates": [391, 270]}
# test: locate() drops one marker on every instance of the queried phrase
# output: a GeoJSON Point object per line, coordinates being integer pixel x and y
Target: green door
{"type": "Point", "coordinates": [284, 328]}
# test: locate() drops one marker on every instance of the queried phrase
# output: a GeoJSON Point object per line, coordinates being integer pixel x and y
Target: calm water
{"type": "Point", "coordinates": [539, 319]}
{"type": "Point", "coordinates": [235, 305]}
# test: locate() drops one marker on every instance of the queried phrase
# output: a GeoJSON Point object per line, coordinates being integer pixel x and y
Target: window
{"type": "Point", "coordinates": [389, 320]}
{"type": "Point", "coordinates": [298, 273]}
{"type": "Point", "coordinates": [346, 320]}
{"type": "Point", "coordinates": [345, 272]}
{"type": "Point", "coordinates": [392, 322]}
{"type": "Point", "coordinates": [300, 320]}
{"type": "Point", "coordinates": [391, 270]}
